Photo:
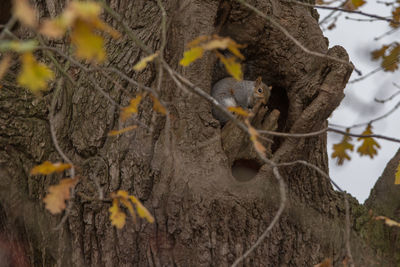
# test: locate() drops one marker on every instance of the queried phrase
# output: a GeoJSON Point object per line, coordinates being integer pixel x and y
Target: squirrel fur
{"type": "Point", "coordinates": [232, 93]}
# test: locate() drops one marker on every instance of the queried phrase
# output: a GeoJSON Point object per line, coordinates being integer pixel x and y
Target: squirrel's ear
{"type": "Point", "coordinates": [258, 81]}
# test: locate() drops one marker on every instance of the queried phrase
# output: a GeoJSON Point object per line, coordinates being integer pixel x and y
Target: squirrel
{"type": "Point", "coordinates": [232, 93]}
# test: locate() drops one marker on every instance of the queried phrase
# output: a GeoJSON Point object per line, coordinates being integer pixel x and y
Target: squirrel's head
{"type": "Point", "coordinates": [261, 91]}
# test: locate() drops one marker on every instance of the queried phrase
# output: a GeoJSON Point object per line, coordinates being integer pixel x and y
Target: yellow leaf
{"type": "Point", "coordinates": [4, 65]}
{"type": "Point", "coordinates": [368, 145]}
{"type": "Point", "coordinates": [397, 175]}
{"type": "Point", "coordinates": [143, 62]}
{"type": "Point", "coordinates": [354, 4]}
{"type": "Point", "coordinates": [388, 221]}
{"type": "Point", "coordinates": [117, 217]}
{"type": "Point", "coordinates": [141, 210]}
{"type": "Point", "coordinates": [240, 111]}
{"type": "Point", "coordinates": [123, 197]}
{"type": "Point", "coordinates": [25, 13]}
{"type": "Point", "coordinates": [58, 194]}
{"type": "Point", "coordinates": [88, 45]}
{"type": "Point", "coordinates": [340, 150]}
{"type": "Point", "coordinates": [232, 66]}
{"type": "Point", "coordinates": [129, 206]}
{"type": "Point", "coordinates": [157, 106]}
{"type": "Point", "coordinates": [34, 75]}
{"type": "Point", "coordinates": [124, 130]}
{"type": "Point", "coordinates": [254, 138]}
{"type": "Point", "coordinates": [132, 108]}
{"type": "Point", "coordinates": [48, 168]}
{"type": "Point", "coordinates": [191, 55]}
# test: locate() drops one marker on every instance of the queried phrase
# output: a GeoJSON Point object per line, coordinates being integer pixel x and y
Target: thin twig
{"type": "Point", "coordinates": [358, 12]}
{"type": "Point", "coordinates": [62, 154]}
{"type": "Point", "coordinates": [282, 205]}
{"type": "Point", "coordinates": [382, 101]}
{"type": "Point", "coordinates": [8, 26]}
{"type": "Point", "coordinates": [346, 203]}
{"type": "Point", "coordinates": [293, 39]}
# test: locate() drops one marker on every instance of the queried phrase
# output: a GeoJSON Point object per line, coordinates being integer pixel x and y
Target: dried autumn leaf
{"type": "Point", "coordinates": [391, 61]}
{"type": "Point", "coordinates": [157, 106]}
{"type": "Point", "coordinates": [340, 150]}
{"type": "Point", "coordinates": [254, 138]}
{"type": "Point", "coordinates": [33, 75]}
{"type": "Point", "coordinates": [240, 111]}
{"type": "Point", "coordinates": [25, 13]}
{"type": "Point", "coordinates": [117, 217]}
{"type": "Point", "coordinates": [388, 221]}
{"type": "Point", "coordinates": [395, 23]}
{"type": "Point", "coordinates": [376, 54]}
{"type": "Point", "coordinates": [124, 130]}
{"type": "Point", "coordinates": [88, 44]}
{"type": "Point", "coordinates": [4, 65]}
{"type": "Point", "coordinates": [48, 168]}
{"type": "Point", "coordinates": [325, 263]}
{"type": "Point", "coordinates": [141, 210]}
{"type": "Point", "coordinates": [143, 62]}
{"type": "Point", "coordinates": [368, 145]}
{"type": "Point", "coordinates": [126, 200]}
{"type": "Point", "coordinates": [58, 194]}
{"type": "Point", "coordinates": [232, 66]}
{"type": "Point", "coordinates": [354, 4]}
{"type": "Point", "coordinates": [191, 55]}
{"type": "Point", "coordinates": [397, 175]}
{"type": "Point", "coordinates": [132, 108]}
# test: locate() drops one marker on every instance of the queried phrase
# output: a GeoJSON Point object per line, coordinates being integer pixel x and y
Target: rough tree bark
{"type": "Point", "coordinates": [204, 215]}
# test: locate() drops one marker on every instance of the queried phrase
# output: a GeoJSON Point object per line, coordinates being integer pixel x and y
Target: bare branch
{"type": "Point", "coordinates": [343, 10]}
{"type": "Point", "coordinates": [294, 40]}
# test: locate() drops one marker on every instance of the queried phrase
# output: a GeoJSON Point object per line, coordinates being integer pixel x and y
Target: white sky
{"type": "Point", "coordinates": [359, 175]}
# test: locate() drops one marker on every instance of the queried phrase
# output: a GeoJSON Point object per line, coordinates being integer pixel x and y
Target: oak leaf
{"type": "Point", "coordinates": [132, 108]}
{"type": "Point", "coordinates": [157, 106]}
{"type": "Point", "coordinates": [58, 194]}
{"type": "Point", "coordinates": [340, 150]}
{"type": "Point", "coordinates": [89, 45]}
{"type": "Point", "coordinates": [232, 66]}
{"type": "Point", "coordinates": [117, 217]}
{"type": "Point", "coordinates": [368, 145]}
{"type": "Point", "coordinates": [390, 62]}
{"type": "Point", "coordinates": [191, 55]}
{"type": "Point", "coordinates": [33, 75]}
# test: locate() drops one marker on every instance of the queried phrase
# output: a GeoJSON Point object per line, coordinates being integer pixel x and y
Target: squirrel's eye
{"type": "Point", "coordinates": [260, 90]}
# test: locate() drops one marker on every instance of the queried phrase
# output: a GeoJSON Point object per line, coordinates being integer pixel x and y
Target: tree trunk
{"type": "Point", "coordinates": [204, 216]}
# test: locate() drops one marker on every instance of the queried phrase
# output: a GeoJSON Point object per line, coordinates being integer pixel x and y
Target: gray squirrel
{"type": "Point", "coordinates": [232, 93]}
